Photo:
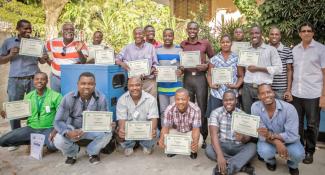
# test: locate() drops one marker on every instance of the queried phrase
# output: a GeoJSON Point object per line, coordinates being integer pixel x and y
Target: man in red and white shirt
{"type": "Point", "coordinates": [65, 50]}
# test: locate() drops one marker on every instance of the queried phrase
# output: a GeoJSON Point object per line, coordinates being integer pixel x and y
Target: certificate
{"type": "Point", "coordinates": [238, 46]}
{"type": "Point", "coordinates": [178, 144]}
{"type": "Point", "coordinates": [36, 145]}
{"type": "Point", "coordinates": [105, 56]}
{"type": "Point", "coordinates": [138, 67]}
{"type": "Point", "coordinates": [247, 58]}
{"type": "Point", "coordinates": [17, 109]}
{"type": "Point", "coordinates": [31, 47]}
{"type": "Point", "coordinates": [138, 130]}
{"type": "Point", "coordinates": [166, 74]}
{"type": "Point", "coordinates": [222, 75]}
{"type": "Point", "coordinates": [245, 124]}
{"type": "Point", "coordinates": [189, 59]}
{"type": "Point", "coordinates": [97, 121]}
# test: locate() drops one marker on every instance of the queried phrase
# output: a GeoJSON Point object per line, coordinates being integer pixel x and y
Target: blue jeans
{"type": "Point", "coordinates": [213, 103]}
{"type": "Point", "coordinates": [144, 143]}
{"type": "Point", "coordinates": [21, 136]}
{"type": "Point", "coordinates": [70, 149]}
{"type": "Point", "coordinates": [55, 83]}
{"type": "Point", "coordinates": [237, 155]}
{"type": "Point", "coordinates": [16, 90]}
{"type": "Point", "coordinates": [295, 150]}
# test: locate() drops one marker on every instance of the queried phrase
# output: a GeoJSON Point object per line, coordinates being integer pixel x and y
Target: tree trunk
{"type": "Point", "coordinates": [53, 10]}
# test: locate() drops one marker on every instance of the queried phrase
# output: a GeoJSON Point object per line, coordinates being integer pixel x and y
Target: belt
{"type": "Point", "coordinates": [254, 85]}
{"type": "Point", "coordinates": [194, 73]}
{"type": "Point", "coordinates": [25, 78]}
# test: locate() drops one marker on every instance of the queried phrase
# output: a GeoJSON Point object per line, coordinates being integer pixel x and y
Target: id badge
{"type": "Point", "coordinates": [47, 109]}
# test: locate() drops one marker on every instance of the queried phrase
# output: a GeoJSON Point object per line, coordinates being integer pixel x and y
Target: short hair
{"type": "Point", "coordinates": [41, 73]}
{"type": "Point", "coordinates": [137, 28]}
{"type": "Point", "coordinates": [168, 29]}
{"type": "Point", "coordinates": [225, 36]}
{"type": "Point", "coordinates": [274, 27]}
{"type": "Point", "coordinates": [192, 22]}
{"type": "Point", "coordinates": [98, 31]}
{"type": "Point", "coordinates": [138, 78]}
{"type": "Point", "coordinates": [229, 92]}
{"type": "Point", "coordinates": [306, 24]}
{"type": "Point", "coordinates": [147, 26]}
{"type": "Point", "coordinates": [239, 28]}
{"type": "Point", "coordinates": [263, 84]}
{"type": "Point", "coordinates": [257, 26]}
{"type": "Point", "coordinates": [87, 74]}
{"type": "Point", "coordinates": [182, 90]}
{"type": "Point", "coordinates": [68, 23]}
{"type": "Point", "coordinates": [20, 23]}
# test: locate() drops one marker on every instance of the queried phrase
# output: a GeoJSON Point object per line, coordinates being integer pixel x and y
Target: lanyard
{"type": "Point", "coordinates": [40, 103]}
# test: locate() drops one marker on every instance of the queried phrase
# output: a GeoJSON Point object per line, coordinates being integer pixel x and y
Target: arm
{"type": "Point", "coordinates": [163, 132]}
{"type": "Point", "coordinates": [61, 117]}
{"type": "Point", "coordinates": [276, 63]}
{"type": "Point", "coordinates": [195, 139]}
{"type": "Point", "coordinates": [222, 163]}
{"type": "Point", "coordinates": [287, 94]}
{"type": "Point", "coordinates": [9, 56]}
{"type": "Point", "coordinates": [209, 77]}
{"type": "Point", "coordinates": [240, 75]}
{"type": "Point", "coordinates": [121, 131]}
{"type": "Point", "coordinates": [154, 127]}
{"type": "Point", "coordinates": [120, 57]}
{"type": "Point", "coordinates": [322, 97]}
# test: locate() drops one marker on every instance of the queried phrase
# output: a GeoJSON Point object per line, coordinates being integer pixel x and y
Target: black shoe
{"type": "Point", "coordinates": [308, 159]}
{"type": "Point", "coordinates": [204, 145]}
{"type": "Point", "coordinates": [94, 159]}
{"type": "Point", "coordinates": [216, 171]}
{"type": "Point", "coordinates": [260, 158]}
{"type": "Point", "coordinates": [70, 160]}
{"type": "Point", "coordinates": [193, 155]}
{"type": "Point", "coordinates": [271, 167]}
{"type": "Point", "coordinates": [171, 155]}
{"type": "Point", "coordinates": [248, 169]}
{"type": "Point", "coordinates": [294, 171]}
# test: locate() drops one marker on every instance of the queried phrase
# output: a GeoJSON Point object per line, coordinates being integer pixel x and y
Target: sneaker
{"type": "Point", "coordinates": [204, 145]}
{"type": "Point", "coordinates": [293, 171]}
{"type": "Point", "coordinates": [70, 160]}
{"type": "Point", "coordinates": [13, 148]}
{"type": "Point", "coordinates": [308, 158]}
{"type": "Point", "coordinates": [193, 155]}
{"type": "Point", "coordinates": [270, 166]}
{"type": "Point", "coordinates": [147, 150]}
{"type": "Point", "coordinates": [171, 155]}
{"type": "Point", "coordinates": [248, 169]}
{"type": "Point", "coordinates": [128, 151]}
{"type": "Point", "coordinates": [94, 159]}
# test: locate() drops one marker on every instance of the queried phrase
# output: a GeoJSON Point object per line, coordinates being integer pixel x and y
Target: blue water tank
{"type": "Point", "coordinates": [110, 80]}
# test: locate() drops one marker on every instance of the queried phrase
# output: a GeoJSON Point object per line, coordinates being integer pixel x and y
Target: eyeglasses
{"type": "Point", "coordinates": [306, 31]}
{"type": "Point", "coordinates": [64, 51]}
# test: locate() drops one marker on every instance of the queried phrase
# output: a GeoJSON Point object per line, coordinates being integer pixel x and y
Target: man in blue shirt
{"type": "Point", "coordinates": [278, 131]}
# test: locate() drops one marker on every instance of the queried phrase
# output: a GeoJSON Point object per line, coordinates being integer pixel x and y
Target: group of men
{"type": "Point", "coordinates": [282, 76]}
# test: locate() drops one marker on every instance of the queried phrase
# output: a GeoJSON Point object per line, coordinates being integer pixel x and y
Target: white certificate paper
{"type": "Point", "coordinates": [17, 109]}
{"type": "Point", "coordinates": [31, 47]}
{"type": "Point", "coordinates": [247, 58]}
{"type": "Point", "coordinates": [138, 130]}
{"type": "Point", "coordinates": [97, 121]}
{"type": "Point", "coordinates": [166, 74]}
{"type": "Point", "coordinates": [222, 75]}
{"type": "Point", "coordinates": [105, 56]}
{"type": "Point", "coordinates": [178, 144]}
{"type": "Point", "coordinates": [189, 59]}
{"type": "Point", "coordinates": [36, 145]}
{"type": "Point", "coordinates": [245, 124]}
{"type": "Point", "coordinates": [236, 47]}
{"type": "Point", "coordinates": [138, 67]}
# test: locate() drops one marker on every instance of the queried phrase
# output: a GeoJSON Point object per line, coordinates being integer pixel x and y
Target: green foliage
{"type": "Point", "coordinates": [249, 9]}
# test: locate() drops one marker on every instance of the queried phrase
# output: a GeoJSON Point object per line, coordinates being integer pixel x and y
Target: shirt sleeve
{"type": "Point", "coordinates": [121, 109]}
{"type": "Point", "coordinates": [154, 57]}
{"type": "Point", "coordinates": [121, 55]}
{"type": "Point", "coordinates": [153, 109]}
{"type": "Point", "coordinates": [48, 46]}
{"type": "Point", "coordinates": [290, 57]}
{"type": "Point", "coordinates": [213, 119]}
{"type": "Point", "coordinates": [322, 56]}
{"type": "Point", "coordinates": [102, 104]}
{"type": "Point", "coordinates": [4, 49]}
{"type": "Point", "coordinates": [210, 50]}
{"type": "Point", "coordinates": [255, 111]}
{"type": "Point", "coordinates": [61, 117]}
{"type": "Point", "coordinates": [168, 114]}
{"type": "Point", "coordinates": [197, 119]}
{"type": "Point", "coordinates": [291, 125]}
{"type": "Point", "coordinates": [276, 63]}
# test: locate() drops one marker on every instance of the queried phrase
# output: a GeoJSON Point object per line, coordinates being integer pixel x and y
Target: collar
{"type": "Point", "coordinates": [141, 47]}
{"type": "Point", "coordinates": [143, 97]}
{"type": "Point", "coordinates": [225, 112]}
{"type": "Point", "coordinates": [196, 42]}
{"type": "Point", "coordinates": [263, 46]}
{"type": "Point", "coordinates": [278, 106]}
{"type": "Point", "coordinates": [312, 44]}
{"type": "Point", "coordinates": [95, 94]}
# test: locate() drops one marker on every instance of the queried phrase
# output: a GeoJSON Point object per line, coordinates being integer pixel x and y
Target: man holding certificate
{"type": "Point", "coordinates": [194, 78]}
{"type": "Point", "coordinates": [140, 59]}
{"type": "Point", "coordinates": [268, 64]}
{"type": "Point", "coordinates": [22, 67]}
{"type": "Point", "coordinates": [278, 132]}
{"type": "Point", "coordinates": [137, 115]}
{"type": "Point", "coordinates": [69, 121]}
{"type": "Point", "coordinates": [96, 45]}
{"type": "Point", "coordinates": [231, 150]}
{"type": "Point", "coordinates": [182, 118]}
{"type": "Point", "coordinates": [44, 103]}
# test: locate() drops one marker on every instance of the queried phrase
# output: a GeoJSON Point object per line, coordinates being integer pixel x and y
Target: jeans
{"type": "Point", "coordinates": [150, 86]}
{"type": "Point", "coordinates": [249, 96]}
{"type": "Point", "coordinates": [213, 104]}
{"type": "Point", "coordinates": [55, 83]}
{"type": "Point", "coordinates": [16, 91]}
{"type": "Point", "coordinates": [164, 101]}
{"type": "Point", "coordinates": [310, 109]}
{"type": "Point", "coordinates": [70, 149]}
{"type": "Point", "coordinates": [279, 93]}
{"type": "Point", "coordinates": [295, 150]}
{"type": "Point", "coordinates": [144, 143]}
{"type": "Point", "coordinates": [21, 136]}
{"type": "Point", "coordinates": [237, 155]}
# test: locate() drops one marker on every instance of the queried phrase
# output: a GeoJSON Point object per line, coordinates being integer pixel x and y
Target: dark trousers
{"type": "Point", "coordinates": [310, 109]}
{"type": "Point", "coordinates": [249, 96]}
{"type": "Point", "coordinates": [197, 86]}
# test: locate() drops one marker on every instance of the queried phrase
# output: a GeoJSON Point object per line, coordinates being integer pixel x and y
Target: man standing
{"type": "Point", "coordinates": [194, 78]}
{"type": "Point", "coordinates": [150, 36]}
{"type": "Point", "coordinates": [68, 121]}
{"type": "Point", "coordinates": [182, 117]}
{"type": "Point", "coordinates": [22, 68]}
{"type": "Point", "coordinates": [282, 82]}
{"type": "Point", "coordinates": [137, 51]}
{"type": "Point", "coordinates": [96, 45]}
{"type": "Point", "coordinates": [136, 105]}
{"type": "Point", "coordinates": [308, 86]}
{"type": "Point", "coordinates": [239, 35]}
{"type": "Point", "coordinates": [44, 103]}
{"type": "Point", "coordinates": [278, 132]}
{"type": "Point", "coordinates": [269, 64]}
{"type": "Point", "coordinates": [65, 50]}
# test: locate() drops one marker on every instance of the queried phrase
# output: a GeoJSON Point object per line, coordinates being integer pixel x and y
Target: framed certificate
{"type": "Point", "coordinates": [138, 67]}
{"type": "Point", "coordinates": [189, 59]}
{"type": "Point", "coordinates": [104, 56]}
{"type": "Point", "coordinates": [238, 46]}
{"type": "Point", "coordinates": [97, 121]}
{"type": "Point", "coordinates": [247, 58]}
{"type": "Point", "coordinates": [222, 75]}
{"type": "Point", "coordinates": [178, 144]}
{"type": "Point", "coordinates": [245, 123]}
{"type": "Point", "coordinates": [138, 130]}
{"type": "Point", "coordinates": [17, 109]}
{"type": "Point", "coordinates": [31, 47]}
{"type": "Point", "coordinates": [166, 74]}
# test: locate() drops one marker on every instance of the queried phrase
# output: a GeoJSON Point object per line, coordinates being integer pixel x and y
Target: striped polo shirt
{"type": "Point", "coordinates": [165, 58]}
{"type": "Point", "coordinates": [280, 81]}
{"type": "Point", "coordinates": [63, 54]}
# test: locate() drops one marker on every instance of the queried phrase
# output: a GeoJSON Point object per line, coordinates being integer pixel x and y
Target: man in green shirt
{"type": "Point", "coordinates": [44, 103]}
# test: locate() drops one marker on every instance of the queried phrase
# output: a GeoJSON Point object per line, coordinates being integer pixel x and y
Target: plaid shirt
{"type": "Point", "coordinates": [222, 119]}
{"type": "Point", "coordinates": [183, 122]}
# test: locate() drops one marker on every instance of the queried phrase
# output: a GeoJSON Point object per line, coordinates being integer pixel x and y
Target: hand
{"type": "Point", "coordinates": [113, 125]}
{"type": "Point", "coordinates": [179, 73]}
{"type": "Point", "coordinates": [202, 67]}
{"type": "Point", "coordinates": [222, 163]}
{"type": "Point", "coordinates": [264, 132]}
{"type": "Point", "coordinates": [252, 68]}
{"type": "Point", "coordinates": [153, 69]}
{"type": "Point", "coordinates": [154, 133]}
{"type": "Point", "coordinates": [74, 134]}
{"type": "Point", "coordinates": [125, 66]}
{"type": "Point", "coordinates": [322, 101]}
{"type": "Point", "coordinates": [287, 96]}
{"type": "Point", "coordinates": [161, 143]}
{"type": "Point", "coordinates": [3, 114]}
{"type": "Point", "coordinates": [79, 46]}
{"type": "Point", "coordinates": [194, 146]}
{"type": "Point", "coordinates": [281, 149]}
{"type": "Point", "coordinates": [231, 86]}
{"type": "Point", "coordinates": [52, 135]}
{"type": "Point", "coordinates": [155, 73]}
{"type": "Point", "coordinates": [239, 137]}
{"type": "Point", "coordinates": [44, 58]}
{"type": "Point", "coordinates": [121, 133]}
{"type": "Point", "coordinates": [215, 86]}
{"type": "Point", "coordinates": [13, 51]}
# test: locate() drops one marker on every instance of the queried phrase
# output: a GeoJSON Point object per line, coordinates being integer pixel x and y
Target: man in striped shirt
{"type": "Point", "coordinates": [65, 50]}
{"type": "Point", "coordinates": [282, 82]}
